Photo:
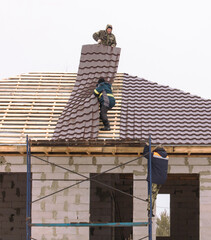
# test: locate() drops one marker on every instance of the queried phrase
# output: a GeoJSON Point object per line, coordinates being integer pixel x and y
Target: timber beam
{"type": "Point", "coordinates": [101, 150]}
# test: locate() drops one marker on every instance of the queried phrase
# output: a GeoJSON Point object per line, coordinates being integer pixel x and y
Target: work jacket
{"type": "Point", "coordinates": [104, 93]}
{"type": "Point", "coordinates": [159, 160]}
{"type": "Point", "coordinates": [106, 39]}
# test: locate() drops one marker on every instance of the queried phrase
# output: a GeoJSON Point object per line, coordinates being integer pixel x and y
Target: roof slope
{"type": "Point", "coordinates": [170, 115]}
{"type": "Point", "coordinates": [80, 117]}
{"type": "Point", "coordinates": [32, 103]}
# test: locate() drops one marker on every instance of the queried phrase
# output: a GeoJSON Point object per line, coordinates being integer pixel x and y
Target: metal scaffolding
{"type": "Point", "coordinates": [29, 201]}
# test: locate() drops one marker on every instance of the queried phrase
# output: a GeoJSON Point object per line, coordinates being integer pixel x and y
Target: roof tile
{"type": "Point", "coordinates": [31, 104]}
{"type": "Point", "coordinates": [80, 117]}
{"type": "Point", "coordinates": [171, 116]}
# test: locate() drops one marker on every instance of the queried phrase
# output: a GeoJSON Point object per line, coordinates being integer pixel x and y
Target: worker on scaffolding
{"type": "Point", "coordinates": [105, 37]}
{"type": "Point", "coordinates": [159, 169]}
{"type": "Point", "coordinates": [107, 101]}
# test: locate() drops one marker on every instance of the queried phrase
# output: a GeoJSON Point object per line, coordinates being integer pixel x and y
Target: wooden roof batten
{"type": "Point", "coordinates": [30, 104]}
{"type": "Point", "coordinates": [98, 147]}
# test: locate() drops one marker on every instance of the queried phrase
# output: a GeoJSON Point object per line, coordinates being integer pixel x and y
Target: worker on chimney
{"type": "Point", "coordinates": [105, 37]}
{"type": "Point", "coordinates": [106, 99]}
{"type": "Point", "coordinates": [159, 169]}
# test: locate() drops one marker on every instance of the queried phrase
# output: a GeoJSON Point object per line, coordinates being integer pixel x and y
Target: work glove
{"type": "Point", "coordinates": [99, 41]}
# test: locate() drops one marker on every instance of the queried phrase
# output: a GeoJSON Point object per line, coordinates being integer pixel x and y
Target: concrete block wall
{"type": "Point", "coordinates": [201, 166]}
{"type": "Point", "coordinates": [101, 208]}
{"type": "Point", "coordinates": [70, 205]}
{"type": "Point", "coordinates": [109, 206]}
{"type": "Point", "coordinates": [73, 205]}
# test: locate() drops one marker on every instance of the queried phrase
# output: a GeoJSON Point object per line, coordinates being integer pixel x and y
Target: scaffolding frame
{"type": "Point", "coordinates": [29, 201]}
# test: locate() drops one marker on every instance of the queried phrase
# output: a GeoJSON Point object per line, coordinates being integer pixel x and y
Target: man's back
{"type": "Point", "coordinates": [104, 86]}
{"type": "Point", "coordinates": [159, 164]}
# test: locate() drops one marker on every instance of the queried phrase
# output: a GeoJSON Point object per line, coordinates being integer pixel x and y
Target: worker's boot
{"type": "Point", "coordinates": [106, 127]}
{"type": "Point", "coordinates": [149, 214]}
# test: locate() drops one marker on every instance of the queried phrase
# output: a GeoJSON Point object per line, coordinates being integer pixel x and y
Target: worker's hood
{"type": "Point", "coordinates": [109, 26]}
{"type": "Point", "coordinates": [161, 151]}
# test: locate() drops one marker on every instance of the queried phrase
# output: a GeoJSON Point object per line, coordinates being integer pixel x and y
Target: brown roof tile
{"type": "Point", "coordinates": [32, 103]}
{"type": "Point", "coordinates": [171, 116]}
{"type": "Point", "coordinates": [80, 117]}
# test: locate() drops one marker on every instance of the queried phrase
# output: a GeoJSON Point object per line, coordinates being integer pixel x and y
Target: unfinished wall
{"type": "Point", "coordinates": [12, 206]}
{"type": "Point", "coordinates": [184, 206]}
{"type": "Point", "coordinates": [201, 166]}
{"type": "Point", "coordinates": [101, 208]}
{"type": "Point", "coordinates": [73, 205]}
{"type": "Point", "coordinates": [110, 206]}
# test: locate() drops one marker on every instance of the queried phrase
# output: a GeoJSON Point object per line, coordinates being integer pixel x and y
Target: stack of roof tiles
{"type": "Point", "coordinates": [171, 116]}
{"type": "Point", "coordinates": [80, 117]}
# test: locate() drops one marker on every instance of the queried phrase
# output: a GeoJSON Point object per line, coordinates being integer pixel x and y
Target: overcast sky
{"type": "Point", "coordinates": [164, 41]}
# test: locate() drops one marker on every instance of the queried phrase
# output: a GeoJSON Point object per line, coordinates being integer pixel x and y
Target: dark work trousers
{"type": "Point", "coordinates": [103, 115]}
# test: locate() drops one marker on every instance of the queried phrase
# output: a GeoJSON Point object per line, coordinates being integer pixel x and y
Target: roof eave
{"type": "Point", "coordinates": [134, 149]}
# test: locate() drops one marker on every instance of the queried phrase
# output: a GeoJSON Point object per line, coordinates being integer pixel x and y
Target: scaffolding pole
{"type": "Point", "coordinates": [28, 192]}
{"type": "Point", "coordinates": [29, 224]}
{"type": "Point", "coordinates": [109, 224]}
{"type": "Point", "coordinates": [150, 189]}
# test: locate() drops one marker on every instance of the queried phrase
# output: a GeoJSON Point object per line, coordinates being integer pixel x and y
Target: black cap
{"type": "Point", "coordinates": [101, 80]}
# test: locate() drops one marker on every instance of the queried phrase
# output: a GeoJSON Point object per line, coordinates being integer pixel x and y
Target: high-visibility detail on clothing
{"type": "Point", "coordinates": [104, 93]}
{"type": "Point", "coordinates": [108, 94]}
{"type": "Point", "coordinates": [96, 92]}
{"type": "Point", "coordinates": [157, 155]}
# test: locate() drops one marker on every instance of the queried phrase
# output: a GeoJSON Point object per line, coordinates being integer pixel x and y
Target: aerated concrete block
{"type": "Point", "coordinates": [83, 160]}
{"type": "Point", "coordinates": [198, 161]}
{"type": "Point", "coordinates": [179, 169]}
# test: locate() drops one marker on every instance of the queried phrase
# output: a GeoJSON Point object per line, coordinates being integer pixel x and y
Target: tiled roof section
{"type": "Point", "coordinates": [171, 116]}
{"type": "Point", "coordinates": [30, 104]}
{"type": "Point", "coordinates": [80, 117]}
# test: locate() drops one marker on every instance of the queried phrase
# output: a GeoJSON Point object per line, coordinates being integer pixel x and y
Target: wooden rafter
{"type": "Point", "coordinates": [30, 104]}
